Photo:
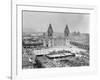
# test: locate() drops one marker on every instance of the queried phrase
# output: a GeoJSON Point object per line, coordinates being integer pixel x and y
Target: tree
{"type": "Point", "coordinates": [66, 31]}
{"type": "Point", "coordinates": [50, 31]}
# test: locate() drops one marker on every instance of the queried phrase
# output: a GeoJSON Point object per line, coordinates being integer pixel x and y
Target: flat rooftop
{"type": "Point", "coordinates": [47, 51]}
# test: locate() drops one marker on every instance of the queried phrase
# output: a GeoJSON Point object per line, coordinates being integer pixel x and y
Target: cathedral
{"type": "Point", "coordinates": [50, 40]}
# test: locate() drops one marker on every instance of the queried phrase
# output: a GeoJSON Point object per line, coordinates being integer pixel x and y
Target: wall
{"type": "Point", "coordinates": [5, 35]}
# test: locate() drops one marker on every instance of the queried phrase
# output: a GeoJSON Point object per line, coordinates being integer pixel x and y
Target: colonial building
{"type": "Point", "coordinates": [55, 41]}
{"type": "Point", "coordinates": [50, 40]}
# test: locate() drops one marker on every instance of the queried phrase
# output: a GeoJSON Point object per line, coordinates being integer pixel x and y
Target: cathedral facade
{"type": "Point", "coordinates": [53, 42]}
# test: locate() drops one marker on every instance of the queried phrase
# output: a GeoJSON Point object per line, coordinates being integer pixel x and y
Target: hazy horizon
{"type": "Point", "coordinates": [39, 22]}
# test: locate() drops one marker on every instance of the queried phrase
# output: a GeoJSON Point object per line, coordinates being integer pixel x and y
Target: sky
{"type": "Point", "coordinates": [39, 21]}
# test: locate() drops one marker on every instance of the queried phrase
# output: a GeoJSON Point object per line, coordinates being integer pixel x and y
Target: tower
{"type": "Point", "coordinates": [50, 35]}
{"type": "Point", "coordinates": [66, 35]}
{"type": "Point", "coordinates": [66, 31]}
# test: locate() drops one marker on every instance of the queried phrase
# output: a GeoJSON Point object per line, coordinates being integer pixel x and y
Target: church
{"type": "Point", "coordinates": [49, 40]}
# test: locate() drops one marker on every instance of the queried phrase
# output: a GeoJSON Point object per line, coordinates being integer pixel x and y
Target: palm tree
{"type": "Point", "coordinates": [66, 31]}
